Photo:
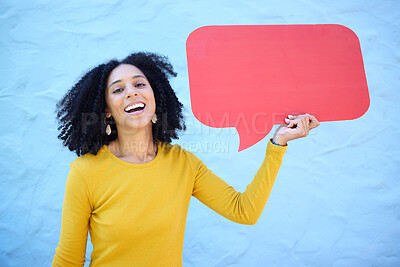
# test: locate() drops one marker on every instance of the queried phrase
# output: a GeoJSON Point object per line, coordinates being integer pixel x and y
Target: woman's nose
{"type": "Point", "coordinates": [130, 91]}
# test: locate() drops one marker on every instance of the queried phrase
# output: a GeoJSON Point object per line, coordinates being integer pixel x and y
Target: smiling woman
{"type": "Point", "coordinates": [83, 113]}
{"type": "Point", "coordinates": [129, 187]}
{"type": "Point", "coordinates": [130, 99]}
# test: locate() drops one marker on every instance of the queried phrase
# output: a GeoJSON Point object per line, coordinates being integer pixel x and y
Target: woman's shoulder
{"type": "Point", "coordinates": [173, 149]}
{"type": "Point", "coordinates": [178, 152]}
{"type": "Point", "coordinates": [88, 160]}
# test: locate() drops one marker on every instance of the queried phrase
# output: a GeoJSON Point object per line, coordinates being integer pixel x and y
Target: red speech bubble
{"type": "Point", "coordinates": [252, 76]}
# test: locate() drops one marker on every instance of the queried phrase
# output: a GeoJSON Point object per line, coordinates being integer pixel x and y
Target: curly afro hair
{"type": "Point", "coordinates": [81, 112]}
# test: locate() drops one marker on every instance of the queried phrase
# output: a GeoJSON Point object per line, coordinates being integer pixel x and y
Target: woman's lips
{"type": "Point", "coordinates": [134, 105]}
{"type": "Point", "coordinates": [136, 112]}
{"type": "Point", "coordinates": [131, 108]}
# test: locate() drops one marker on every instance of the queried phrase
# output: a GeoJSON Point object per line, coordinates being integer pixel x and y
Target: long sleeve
{"type": "Point", "coordinates": [246, 207]}
{"type": "Point", "coordinates": [136, 211]}
{"type": "Point", "coordinates": [75, 222]}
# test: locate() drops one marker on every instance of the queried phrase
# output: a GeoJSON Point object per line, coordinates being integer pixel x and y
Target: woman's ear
{"type": "Point", "coordinates": [107, 111]}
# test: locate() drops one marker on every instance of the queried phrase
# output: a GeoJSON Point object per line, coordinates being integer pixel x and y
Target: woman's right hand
{"type": "Point", "coordinates": [297, 127]}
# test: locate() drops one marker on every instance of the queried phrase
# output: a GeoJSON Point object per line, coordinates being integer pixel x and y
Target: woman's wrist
{"type": "Point", "coordinates": [278, 141]}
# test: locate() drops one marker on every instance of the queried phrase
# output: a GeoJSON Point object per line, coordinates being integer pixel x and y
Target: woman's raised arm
{"type": "Point", "coordinates": [246, 207]}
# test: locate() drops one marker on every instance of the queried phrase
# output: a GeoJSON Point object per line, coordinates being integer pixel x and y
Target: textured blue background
{"type": "Point", "coordinates": [336, 201]}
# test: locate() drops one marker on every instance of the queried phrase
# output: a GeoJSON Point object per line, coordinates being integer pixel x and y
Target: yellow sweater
{"type": "Point", "coordinates": [136, 213]}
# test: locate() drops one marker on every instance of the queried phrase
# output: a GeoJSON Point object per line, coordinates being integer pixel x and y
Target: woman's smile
{"type": "Point", "coordinates": [130, 98]}
{"type": "Point", "coordinates": [135, 108]}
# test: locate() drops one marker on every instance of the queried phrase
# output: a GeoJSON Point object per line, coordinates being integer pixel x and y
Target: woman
{"type": "Point", "coordinates": [129, 187]}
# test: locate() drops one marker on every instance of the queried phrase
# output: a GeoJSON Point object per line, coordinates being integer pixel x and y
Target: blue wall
{"type": "Point", "coordinates": [336, 201]}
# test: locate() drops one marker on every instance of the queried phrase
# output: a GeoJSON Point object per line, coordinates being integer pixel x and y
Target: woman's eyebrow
{"type": "Point", "coordinates": [138, 76]}
{"type": "Point", "coordinates": [134, 77]}
{"type": "Point", "coordinates": [114, 82]}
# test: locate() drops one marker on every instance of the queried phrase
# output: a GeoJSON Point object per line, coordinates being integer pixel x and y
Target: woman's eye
{"type": "Point", "coordinates": [117, 90]}
{"type": "Point", "coordinates": [140, 85]}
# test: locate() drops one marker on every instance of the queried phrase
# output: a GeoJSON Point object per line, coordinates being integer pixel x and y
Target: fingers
{"type": "Point", "coordinates": [290, 123]}
{"type": "Point", "coordinates": [293, 121]}
{"type": "Point", "coordinates": [303, 126]}
{"type": "Point", "coordinates": [297, 126]}
{"type": "Point", "coordinates": [313, 121]}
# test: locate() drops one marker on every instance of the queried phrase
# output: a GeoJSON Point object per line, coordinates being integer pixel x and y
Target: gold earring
{"type": "Point", "coordinates": [154, 119]}
{"type": "Point", "coordinates": [108, 127]}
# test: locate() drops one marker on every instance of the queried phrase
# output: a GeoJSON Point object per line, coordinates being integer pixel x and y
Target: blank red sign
{"type": "Point", "coordinates": [252, 76]}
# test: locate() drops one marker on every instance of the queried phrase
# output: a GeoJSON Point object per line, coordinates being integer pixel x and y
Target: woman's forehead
{"type": "Point", "coordinates": [124, 71]}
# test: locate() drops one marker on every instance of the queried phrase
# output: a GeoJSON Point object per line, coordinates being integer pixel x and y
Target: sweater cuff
{"type": "Point", "coordinates": [276, 146]}
{"type": "Point", "coordinates": [271, 140]}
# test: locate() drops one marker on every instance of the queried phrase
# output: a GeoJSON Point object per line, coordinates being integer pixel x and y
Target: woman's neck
{"type": "Point", "coordinates": [134, 146]}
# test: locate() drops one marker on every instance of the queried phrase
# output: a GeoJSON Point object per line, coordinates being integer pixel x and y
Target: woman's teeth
{"type": "Point", "coordinates": [135, 107]}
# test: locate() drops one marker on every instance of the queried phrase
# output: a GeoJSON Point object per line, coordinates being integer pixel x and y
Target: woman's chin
{"type": "Point", "coordinates": [134, 125]}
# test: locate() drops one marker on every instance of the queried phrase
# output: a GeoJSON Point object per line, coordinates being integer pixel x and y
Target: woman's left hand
{"type": "Point", "coordinates": [297, 127]}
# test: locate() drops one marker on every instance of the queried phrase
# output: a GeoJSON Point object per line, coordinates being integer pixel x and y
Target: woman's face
{"type": "Point", "coordinates": [130, 98]}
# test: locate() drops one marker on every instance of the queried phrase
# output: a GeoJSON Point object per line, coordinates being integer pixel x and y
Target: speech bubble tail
{"type": "Point", "coordinates": [248, 138]}
{"type": "Point", "coordinates": [242, 147]}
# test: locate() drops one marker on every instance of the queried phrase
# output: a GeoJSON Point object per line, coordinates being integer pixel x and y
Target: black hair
{"type": "Point", "coordinates": [81, 112]}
